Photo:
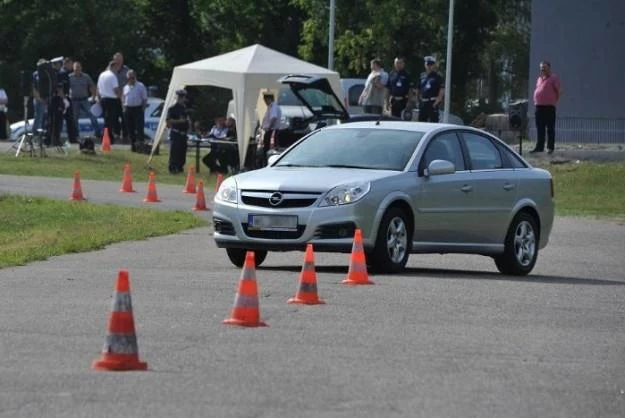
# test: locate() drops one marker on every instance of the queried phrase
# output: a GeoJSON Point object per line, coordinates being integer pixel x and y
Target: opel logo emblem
{"type": "Point", "coordinates": [275, 199]}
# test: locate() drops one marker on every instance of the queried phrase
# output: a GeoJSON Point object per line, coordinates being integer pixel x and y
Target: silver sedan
{"type": "Point", "coordinates": [409, 187]}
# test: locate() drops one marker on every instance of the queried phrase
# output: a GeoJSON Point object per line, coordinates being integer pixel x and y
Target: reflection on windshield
{"type": "Point", "coordinates": [376, 149]}
{"type": "Point", "coordinates": [287, 98]}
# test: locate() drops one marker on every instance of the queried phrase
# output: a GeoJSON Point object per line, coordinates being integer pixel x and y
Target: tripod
{"type": "Point", "coordinates": [27, 136]}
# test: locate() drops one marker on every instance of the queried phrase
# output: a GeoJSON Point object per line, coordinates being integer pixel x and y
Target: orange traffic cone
{"type": "Point", "coordinates": [246, 311]}
{"type": "Point", "coordinates": [151, 196]}
{"type": "Point", "coordinates": [307, 293]}
{"type": "Point", "coordinates": [357, 273]}
{"type": "Point", "coordinates": [220, 178]}
{"type": "Point", "coordinates": [200, 200]}
{"type": "Point", "coordinates": [106, 141]}
{"type": "Point", "coordinates": [77, 189]}
{"type": "Point", "coordinates": [120, 351]}
{"type": "Point", "coordinates": [127, 180]}
{"type": "Point", "coordinates": [190, 186]}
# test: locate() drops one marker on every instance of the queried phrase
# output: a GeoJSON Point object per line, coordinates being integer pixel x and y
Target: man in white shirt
{"type": "Point", "coordinates": [134, 99]}
{"type": "Point", "coordinates": [109, 93]}
{"type": "Point", "coordinates": [271, 121]}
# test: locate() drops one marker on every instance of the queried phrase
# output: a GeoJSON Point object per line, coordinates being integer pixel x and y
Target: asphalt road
{"type": "Point", "coordinates": [450, 338]}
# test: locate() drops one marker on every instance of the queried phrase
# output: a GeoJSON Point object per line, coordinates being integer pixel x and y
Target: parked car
{"type": "Point", "coordinates": [410, 187]}
{"type": "Point", "coordinates": [152, 116]}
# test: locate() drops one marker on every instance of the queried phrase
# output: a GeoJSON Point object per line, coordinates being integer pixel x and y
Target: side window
{"type": "Point", "coordinates": [354, 93]}
{"type": "Point", "coordinates": [158, 111]}
{"type": "Point", "coordinates": [512, 160]}
{"type": "Point", "coordinates": [483, 153]}
{"type": "Point", "coordinates": [444, 147]}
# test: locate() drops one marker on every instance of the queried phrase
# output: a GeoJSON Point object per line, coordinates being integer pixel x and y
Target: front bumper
{"type": "Point", "coordinates": [329, 229]}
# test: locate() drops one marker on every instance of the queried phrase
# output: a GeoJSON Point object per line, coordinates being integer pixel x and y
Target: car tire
{"type": "Point", "coordinates": [392, 244]}
{"type": "Point", "coordinates": [520, 247]}
{"type": "Point", "coordinates": [237, 256]}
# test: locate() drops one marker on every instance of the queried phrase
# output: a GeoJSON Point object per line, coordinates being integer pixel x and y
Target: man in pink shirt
{"type": "Point", "coordinates": [546, 97]}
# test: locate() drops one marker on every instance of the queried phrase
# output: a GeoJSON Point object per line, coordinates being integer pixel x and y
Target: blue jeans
{"type": "Point", "coordinates": [41, 108]}
{"type": "Point", "coordinates": [80, 106]}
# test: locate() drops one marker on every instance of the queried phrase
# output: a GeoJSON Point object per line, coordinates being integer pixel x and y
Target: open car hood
{"type": "Point", "coordinates": [317, 95]}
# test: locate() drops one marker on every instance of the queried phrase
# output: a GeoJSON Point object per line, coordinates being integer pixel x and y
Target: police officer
{"type": "Point", "coordinates": [63, 77]}
{"type": "Point", "coordinates": [178, 124]}
{"type": "Point", "coordinates": [431, 91]}
{"type": "Point", "coordinates": [399, 87]}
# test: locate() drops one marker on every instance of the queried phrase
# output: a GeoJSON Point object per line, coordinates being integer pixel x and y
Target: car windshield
{"type": "Point", "coordinates": [368, 148]}
{"type": "Point", "coordinates": [287, 98]}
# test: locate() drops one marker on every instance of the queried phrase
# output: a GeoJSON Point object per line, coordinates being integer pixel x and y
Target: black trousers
{"type": "Point", "coordinates": [545, 121]}
{"type": "Point", "coordinates": [177, 152]}
{"type": "Point", "coordinates": [397, 106]}
{"type": "Point", "coordinates": [428, 112]}
{"type": "Point", "coordinates": [68, 116]}
{"type": "Point", "coordinates": [134, 117]}
{"type": "Point", "coordinates": [3, 125]}
{"type": "Point", "coordinates": [110, 108]}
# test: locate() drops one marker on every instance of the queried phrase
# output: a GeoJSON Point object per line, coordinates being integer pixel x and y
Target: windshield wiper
{"type": "Point", "coordinates": [294, 165]}
{"type": "Point", "coordinates": [345, 166]}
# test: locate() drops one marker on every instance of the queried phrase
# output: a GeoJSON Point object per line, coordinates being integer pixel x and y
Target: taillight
{"type": "Point", "coordinates": [551, 185]}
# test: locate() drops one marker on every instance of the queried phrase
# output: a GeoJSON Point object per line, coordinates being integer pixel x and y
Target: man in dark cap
{"type": "Point", "coordinates": [431, 92]}
{"type": "Point", "coordinates": [178, 124]}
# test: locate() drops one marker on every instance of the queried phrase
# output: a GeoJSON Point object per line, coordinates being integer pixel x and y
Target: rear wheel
{"type": "Point", "coordinates": [392, 245]}
{"type": "Point", "coordinates": [520, 247]}
{"type": "Point", "coordinates": [237, 256]}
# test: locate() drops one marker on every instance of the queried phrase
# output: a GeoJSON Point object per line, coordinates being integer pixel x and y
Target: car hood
{"type": "Point", "coordinates": [305, 179]}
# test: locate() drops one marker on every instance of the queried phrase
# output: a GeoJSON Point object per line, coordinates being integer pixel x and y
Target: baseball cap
{"type": "Point", "coordinates": [56, 60]}
{"type": "Point", "coordinates": [181, 92]}
{"type": "Point", "coordinates": [429, 59]}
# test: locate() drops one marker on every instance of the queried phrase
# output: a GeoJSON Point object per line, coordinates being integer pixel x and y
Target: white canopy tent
{"type": "Point", "coordinates": [246, 71]}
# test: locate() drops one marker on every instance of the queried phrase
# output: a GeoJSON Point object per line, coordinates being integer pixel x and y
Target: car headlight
{"type": "Point", "coordinates": [346, 194]}
{"type": "Point", "coordinates": [227, 192]}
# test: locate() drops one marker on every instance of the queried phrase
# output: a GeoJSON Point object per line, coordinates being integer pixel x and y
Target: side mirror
{"type": "Point", "coordinates": [272, 159]}
{"type": "Point", "coordinates": [438, 167]}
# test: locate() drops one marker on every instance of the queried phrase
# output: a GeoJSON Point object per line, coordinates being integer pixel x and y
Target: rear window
{"type": "Point", "coordinates": [287, 98]}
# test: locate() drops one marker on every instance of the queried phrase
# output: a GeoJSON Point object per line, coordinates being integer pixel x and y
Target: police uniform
{"type": "Point", "coordinates": [398, 85]}
{"type": "Point", "coordinates": [177, 135]}
{"type": "Point", "coordinates": [430, 85]}
{"type": "Point", "coordinates": [68, 115]}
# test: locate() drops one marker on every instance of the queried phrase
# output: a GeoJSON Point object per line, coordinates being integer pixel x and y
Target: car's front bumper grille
{"type": "Point", "coordinates": [278, 200]}
{"type": "Point", "coordinates": [335, 231]}
{"type": "Point", "coordinates": [223, 227]}
{"type": "Point", "coordinates": [274, 234]}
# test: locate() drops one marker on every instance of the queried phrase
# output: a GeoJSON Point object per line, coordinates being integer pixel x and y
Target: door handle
{"type": "Point", "coordinates": [466, 188]}
{"type": "Point", "coordinates": [508, 186]}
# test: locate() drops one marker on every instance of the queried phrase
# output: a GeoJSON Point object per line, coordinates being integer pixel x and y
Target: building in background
{"type": "Point", "coordinates": [584, 41]}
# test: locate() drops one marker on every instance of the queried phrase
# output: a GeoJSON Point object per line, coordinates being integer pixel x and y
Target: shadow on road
{"type": "Point", "coordinates": [463, 275]}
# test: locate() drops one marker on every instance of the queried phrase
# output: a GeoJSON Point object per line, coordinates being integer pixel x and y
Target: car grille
{"type": "Point", "coordinates": [223, 227]}
{"type": "Point", "coordinates": [274, 234]}
{"type": "Point", "coordinates": [288, 199]}
{"type": "Point", "coordinates": [334, 231]}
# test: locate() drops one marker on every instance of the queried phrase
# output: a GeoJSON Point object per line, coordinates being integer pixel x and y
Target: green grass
{"type": "Point", "coordinates": [36, 228]}
{"type": "Point", "coordinates": [589, 189]}
{"type": "Point", "coordinates": [101, 166]}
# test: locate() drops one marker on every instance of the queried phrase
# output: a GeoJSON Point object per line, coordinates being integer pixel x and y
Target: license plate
{"type": "Point", "coordinates": [272, 222]}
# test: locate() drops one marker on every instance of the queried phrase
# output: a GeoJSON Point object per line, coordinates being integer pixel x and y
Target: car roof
{"type": "Point", "coordinates": [425, 127]}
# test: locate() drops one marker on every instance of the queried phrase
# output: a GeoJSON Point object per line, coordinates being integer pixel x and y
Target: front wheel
{"type": "Point", "coordinates": [392, 245]}
{"type": "Point", "coordinates": [520, 247]}
{"type": "Point", "coordinates": [237, 256]}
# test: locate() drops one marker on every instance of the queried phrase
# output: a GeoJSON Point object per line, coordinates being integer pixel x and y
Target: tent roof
{"type": "Point", "coordinates": [256, 59]}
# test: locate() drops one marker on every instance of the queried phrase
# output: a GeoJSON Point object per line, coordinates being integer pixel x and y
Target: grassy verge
{"type": "Point", "coordinates": [588, 189]}
{"type": "Point", "coordinates": [100, 166]}
{"type": "Point", "coordinates": [37, 228]}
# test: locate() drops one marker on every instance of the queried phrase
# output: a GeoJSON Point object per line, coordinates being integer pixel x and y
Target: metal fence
{"type": "Point", "coordinates": [585, 130]}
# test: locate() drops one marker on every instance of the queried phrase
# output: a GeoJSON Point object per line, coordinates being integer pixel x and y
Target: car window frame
{"type": "Point", "coordinates": [468, 154]}
{"type": "Point", "coordinates": [421, 166]}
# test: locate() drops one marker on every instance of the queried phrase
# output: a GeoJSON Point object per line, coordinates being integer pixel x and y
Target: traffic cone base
{"type": "Point", "coordinates": [357, 273]}
{"type": "Point", "coordinates": [77, 189]}
{"type": "Point", "coordinates": [307, 292]}
{"type": "Point", "coordinates": [120, 350]}
{"type": "Point", "coordinates": [189, 187]}
{"type": "Point", "coordinates": [246, 312]}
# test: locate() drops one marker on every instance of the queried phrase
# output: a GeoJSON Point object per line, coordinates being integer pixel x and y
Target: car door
{"type": "Point", "coordinates": [445, 203]}
{"type": "Point", "coordinates": [496, 186]}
